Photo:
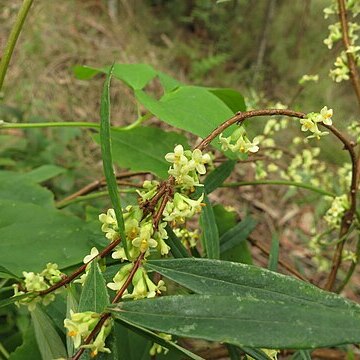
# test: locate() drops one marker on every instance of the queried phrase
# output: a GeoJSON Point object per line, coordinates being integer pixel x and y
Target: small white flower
{"type": "Point", "coordinates": [326, 115]}
{"type": "Point", "coordinates": [93, 254]}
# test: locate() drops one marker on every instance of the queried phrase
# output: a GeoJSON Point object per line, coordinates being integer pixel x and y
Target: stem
{"type": "Point", "coordinates": [282, 263]}
{"type": "Point", "coordinates": [14, 34]}
{"type": "Point", "coordinates": [351, 269]}
{"type": "Point", "coordinates": [81, 269]}
{"type": "Point", "coordinates": [50, 124]}
{"type": "Point", "coordinates": [82, 124]}
{"type": "Point", "coordinates": [4, 351]}
{"type": "Point", "coordinates": [241, 116]}
{"type": "Point", "coordinates": [280, 182]}
{"type": "Point", "coordinates": [105, 316]}
{"type": "Point", "coordinates": [138, 121]}
{"type": "Point", "coordinates": [63, 203]}
{"type": "Point", "coordinates": [354, 74]}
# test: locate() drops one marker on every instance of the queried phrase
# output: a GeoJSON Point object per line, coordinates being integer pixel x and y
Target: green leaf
{"type": "Point", "coordinates": [233, 352]}
{"type": "Point", "coordinates": [158, 339]}
{"type": "Point", "coordinates": [218, 176]}
{"type": "Point", "coordinates": [225, 219]}
{"type": "Point", "coordinates": [137, 76]}
{"type": "Point", "coordinates": [12, 300]}
{"type": "Point", "coordinates": [130, 345]}
{"type": "Point", "coordinates": [85, 72]}
{"type": "Point", "coordinates": [32, 235]}
{"type": "Point", "coordinates": [106, 154]}
{"type": "Point", "coordinates": [177, 248]}
{"type": "Point", "coordinates": [302, 355]}
{"type": "Point", "coordinates": [237, 234]}
{"type": "Point", "coordinates": [210, 233]}
{"type": "Point", "coordinates": [43, 173]}
{"type": "Point", "coordinates": [17, 187]}
{"type": "Point", "coordinates": [168, 83]}
{"type": "Point", "coordinates": [232, 98]}
{"type": "Point", "coordinates": [94, 295]}
{"type": "Point", "coordinates": [274, 252]}
{"type": "Point", "coordinates": [257, 354]}
{"type": "Point", "coordinates": [29, 349]}
{"type": "Point", "coordinates": [6, 274]}
{"type": "Point", "coordinates": [49, 341]}
{"type": "Point", "coordinates": [144, 149]}
{"type": "Point", "coordinates": [251, 322]}
{"type": "Point", "coordinates": [218, 277]}
{"type": "Point", "coordinates": [177, 109]}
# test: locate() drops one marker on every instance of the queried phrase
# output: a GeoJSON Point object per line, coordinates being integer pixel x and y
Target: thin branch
{"type": "Point", "coordinates": [280, 182]}
{"type": "Point", "coordinates": [97, 184]}
{"type": "Point", "coordinates": [282, 263]}
{"type": "Point", "coordinates": [105, 316]}
{"type": "Point", "coordinates": [354, 74]}
{"type": "Point", "coordinates": [348, 217]}
{"type": "Point", "coordinates": [81, 269]}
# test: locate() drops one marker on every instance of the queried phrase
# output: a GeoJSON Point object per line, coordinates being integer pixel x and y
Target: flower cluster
{"type": "Point", "coordinates": [139, 231]}
{"type": "Point", "coordinates": [305, 167]}
{"type": "Point", "coordinates": [182, 208]}
{"type": "Point", "coordinates": [338, 207]}
{"type": "Point", "coordinates": [310, 123]}
{"type": "Point", "coordinates": [157, 349]}
{"type": "Point", "coordinates": [341, 71]}
{"type": "Point", "coordinates": [187, 165]}
{"type": "Point", "coordinates": [79, 327]}
{"type": "Point", "coordinates": [239, 142]}
{"type": "Point", "coordinates": [34, 283]}
{"type": "Point", "coordinates": [143, 286]}
{"type": "Point", "coordinates": [188, 238]}
{"type": "Point", "coordinates": [94, 252]}
{"type": "Point", "coordinates": [308, 78]}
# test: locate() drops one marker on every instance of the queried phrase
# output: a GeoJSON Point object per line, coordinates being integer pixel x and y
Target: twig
{"type": "Point", "coordinates": [98, 184]}
{"type": "Point", "coordinates": [283, 263]}
{"type": "Point", "coordinates": [354, 74]}
{"type": "Point", "coordinates": [105, 316]}
{"type": "Point", "coordinates": [348, 217]}
{"type": "Point", "coordinates": [80, 270]}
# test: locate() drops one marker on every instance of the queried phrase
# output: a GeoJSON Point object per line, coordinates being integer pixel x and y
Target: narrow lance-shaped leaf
{"type": "Point", "coordinates": [205, 276]}
{"type": "Point", "coordinates": [210, 233]}
{"type": "Point", "coordinates": [106, 153]}
{"type": "Point", "coordinates": [246, 321]}
{"type": "Point", "coordinates": [49, 341]}
{"type": "Point", "coordinates": [274, 253]}
{"type": "Point", "coordinates": [159, 340]}
{"type": "Point", "coordinates": [237, 234]}
{"type": "Point", "coordinates": [177, 248]}
{"type": "Point", "coordinates": [94, 295]}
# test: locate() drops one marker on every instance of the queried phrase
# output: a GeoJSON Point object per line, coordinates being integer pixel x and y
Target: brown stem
{"type": "Point", "coordinates": [354, 74]}
{"type": "Point", "coordinates": [348, 217]}
{"type": "Point", "coordinates": [105, 316]}
{"type": "Point", "coordinates": [98, 184]}
{"type": "Point", "coordinates": [241, 116]}
{"type": "Point", "coordinates": [80, 270]}
{"type": "Point", "coordinates": [282, 263]}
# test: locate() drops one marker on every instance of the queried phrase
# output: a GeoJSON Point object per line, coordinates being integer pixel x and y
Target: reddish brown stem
{"type": "Point", "coordinates": [100, 183]}
{"type": "Point", "coordinates": [105, 316]}
{"type": "Point", "coordinates": [80, 270]}
{"type": "Point", "coordinates": [354, 74]}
